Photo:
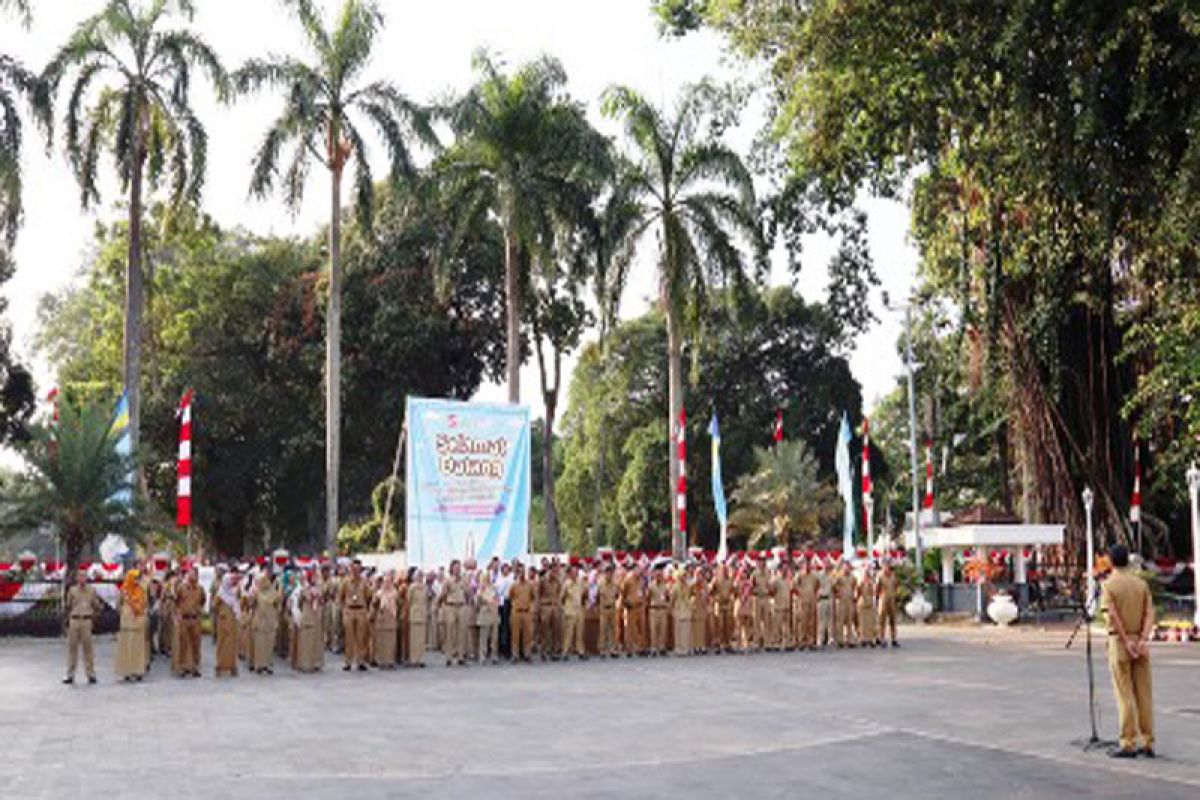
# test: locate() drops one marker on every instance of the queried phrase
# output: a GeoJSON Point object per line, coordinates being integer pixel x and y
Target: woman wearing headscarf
{"type": "Point", "coordinates": [245, 599]}
{"type": "Point", "coordinates": [386, 607]}
{"type": "Point", "coordinates": [131, 638]}
{"type": "Point", "coordinates": [487, 614]}
{"type": "Point", "coordinates": [418, 618]}
{"type": "Point", "coordinates": [263, 624]}
{"type": "Point", "coordinates": [306, 610]}
{"type": "Point", "coordinates": [227, 614]}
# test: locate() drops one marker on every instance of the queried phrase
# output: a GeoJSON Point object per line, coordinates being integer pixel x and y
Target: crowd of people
{"type": "Point", "coordinates": [483, 614]}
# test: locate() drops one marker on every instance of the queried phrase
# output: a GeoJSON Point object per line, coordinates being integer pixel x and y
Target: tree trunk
{"type": "Point", "coordinates": [512, 304]}
{"type": "Point", "coordinates": [134, 291]}
{"type": "Point", "coordinates": [675, 403]}
{"type": "Point", "coordinates": [333, 361]}
{"type": "Point", "coordinates": [553, 540]}
{"type": "Point", "coordinates": [597, 537]}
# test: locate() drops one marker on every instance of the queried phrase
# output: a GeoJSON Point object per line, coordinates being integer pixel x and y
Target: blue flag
{"type": "Point", "coordinates": [718, 489]}
{"type": "Point", "coordinates": [124, 446]}
{"type": "Point", "coordinates": [845, 485]}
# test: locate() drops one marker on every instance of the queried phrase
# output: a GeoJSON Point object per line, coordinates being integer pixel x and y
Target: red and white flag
{"type": "Point", "coordinates": [183, 496]}
{"type": "Point", "coordinates": [777, 434]}
{"type": "Point", "coordinates": [1135, 503]}
{"type": "Point", "coordinates": [928, 474]}
{"type": "Point", "coordinates": [681, 488]}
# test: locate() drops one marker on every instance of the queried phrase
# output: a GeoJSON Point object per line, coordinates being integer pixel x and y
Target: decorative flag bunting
{"type": "Point", "coordinates": [1135, 504]}
{"type": "Point", "coordinates": [718, 488]}
{"type": "Point", "coordinates": [777, 434]}
{"type": "Point", "coordinates": [928, 475]}
{"type": "Point", "coordinates": [183, 495]}
{"type": "Point", "coordinates": [681, 489]}
{"type": "Point", "coordinates": [845, 484]}
{"type": "Point", "coordinates": [867, 487]}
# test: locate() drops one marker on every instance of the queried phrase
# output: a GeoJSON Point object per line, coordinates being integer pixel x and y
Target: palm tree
{"type": "Point", "coordinates": [15, 82]}
{"type": "Point", "coordinates": [325, 108]}
{"type": "Point", "coordinates": [130, 98]}
{"type": "Point", "coordinates": [526, 155]}
{"type": "Point", "coordinates": [782, 499]}
{"type": "Point", "coordinates": [78, 482]}
{"type": "Point", "coordinates": [698, 198]}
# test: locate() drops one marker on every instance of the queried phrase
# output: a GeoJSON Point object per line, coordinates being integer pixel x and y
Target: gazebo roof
{"type": "Point", "coordinates": [983, 515]}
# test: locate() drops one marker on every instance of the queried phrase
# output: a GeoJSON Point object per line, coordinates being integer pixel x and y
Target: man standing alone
{"type": "Point", "coordinates": [1126, 598]}
{"type": "Point", "coordinates": [82, 605]}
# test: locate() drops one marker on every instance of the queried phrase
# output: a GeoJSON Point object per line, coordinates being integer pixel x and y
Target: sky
{"type": "Point", "coordinates": [425, 49]}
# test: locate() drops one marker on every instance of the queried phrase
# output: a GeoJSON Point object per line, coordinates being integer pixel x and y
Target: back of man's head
{"type": "Point", "coordinates": [1119, 555]}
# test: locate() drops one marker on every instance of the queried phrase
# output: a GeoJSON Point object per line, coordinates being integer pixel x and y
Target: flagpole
{"type": "Point", "coordinates": [387, 506]}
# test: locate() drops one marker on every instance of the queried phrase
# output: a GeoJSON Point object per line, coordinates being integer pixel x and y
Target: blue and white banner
{"type": "Point", "coordinates": [467, 481]}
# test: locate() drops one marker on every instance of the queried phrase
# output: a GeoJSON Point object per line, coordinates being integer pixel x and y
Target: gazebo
{"type": "Point", "coordinates": [984, 530]}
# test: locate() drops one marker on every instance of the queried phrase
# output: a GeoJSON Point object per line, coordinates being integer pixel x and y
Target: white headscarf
{"type": "Point", "coordinates": [229, 594]}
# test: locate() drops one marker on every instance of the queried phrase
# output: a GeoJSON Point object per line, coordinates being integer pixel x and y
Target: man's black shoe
{"type": "Point", "coordinates": [68, 680]}
{"type": "Point", "coordinates": [1147, 752]}
{"type": "Point", "coordinates": [1123, 753]}
{"type": "Point", "coordinates": [91, 678]}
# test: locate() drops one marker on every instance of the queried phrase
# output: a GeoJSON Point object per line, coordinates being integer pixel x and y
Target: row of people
{"type": "Point", "coordinates": [468, 613]}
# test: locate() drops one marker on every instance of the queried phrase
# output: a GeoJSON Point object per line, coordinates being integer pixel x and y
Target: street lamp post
{"type": "Point", "coordinates": [1089, 498]}
{"type": "Point", "coordinates": [1193, 480]}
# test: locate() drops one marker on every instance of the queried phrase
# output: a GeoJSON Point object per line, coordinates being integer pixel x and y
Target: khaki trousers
{"type": "Point", "coordinates": [607, 640]}
{"type": "Point", "coordinates": [354, 631]}
{"type": "Point", "coordinates": [658, 630]}
{"type": "Point", "coordinates": [489, 638]}
{"type": "Point", "coordinates": [522, 633]}
{"type": "Point", "coordinates": [187, 643]}
{"type": "Point", "coordinates": [1135, 697]}
{"type": "Point", "coordinates": [572, 634]}
{"type": "Point", "coordinates": [762, 622]}
{"type": "Point", "coordinates": [825, 633]}
{"type": "Point", "coordinates": [456, 643]}
{"type": "Point", "coordinates": [79, 635]}
{"type": "Point", "coordinates": [887, 619]}
{"type": "Point", "coordinates": [635, 629]}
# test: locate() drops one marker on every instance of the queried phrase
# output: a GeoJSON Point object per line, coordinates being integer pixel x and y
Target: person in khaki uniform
{"type": "Point", "coordinates": [166, 617]}
{"type": "Point", "coordinates": [265, 602]}
{"type": "Point", "coordinates": [659, 595]}
{"type": "Point", "coordinates": [885, 590]}
{"type": "Point", "coordinates": [744, 614]}
{"type": "Point", "coordinates": [721, 595]}
{"type": "Point", "coordinates": [574, 592]}
{"type": "Point", "coordinates": [606, 600]}
{"type": "Point", "coordinates": [804, 606]}
{"type": "Point", "coordinates": [522, 597]}
{"type": "Point", "coordinates": [868, 632]}
{"type": "Point", "coordinates": [82, 604]}
{"type": "Point", "coordinates": [306, 602]}
{"type": "Point", "coordinates": [189, 605]}
{"type": "Point", "coordinates": [700, 608]}
{"type": "Point", "coordinates": [354, 597]}
{"type": "Point", "coordinates": [781, 610]}
{"type": "Point", "coordinates": [385, 606]}
{"type": "Point", "coordinates": [633, 601]}
{"type": "Point", "coordinates": [417, 601]}
{"type": "Point", "coordinates": [825, 586]}
{"type": "Point", "coordinates": [681, 613]}
{"type": "Point", "coordinates": [550, 614]}
{"type": "Point", "coordinates": [761, 587]}
{"type": "Point", "coordinates": [843, 607]}
{"type": "Point", "coordinates": [453, 601]}
{"type": "Point", "coordinates": [1130, 612]}
{"type": "Point", "coordinates": [331, 615]}
{"type": "Point", "coordinates": [487, 614]}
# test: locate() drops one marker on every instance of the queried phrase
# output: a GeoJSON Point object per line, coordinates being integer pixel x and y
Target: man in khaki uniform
{"type": "Point", "coordinates": [521, 596]}
{"type": "Point", "coordinates": [886, 590]}
{"type": "Point", "coordinates": [606, 600]}
{"type": "Point", "coordinates": [454, 601]}
{"type": "Point", "coordinates": [721, 592]}
{"type": "Point", "coordinates": [659, 601]}
{"type": "Point", "coordinates": [1126, 598]}
{"type": "Point", "coordinates": [633, 601]}
{"type": "Point", "coordinates": [805, 607]}
{"type": "Point", "coordinates": [354, 597]}
{"type": "Point", "coordinates": [82, 604]}
{"type": "Point", "coordinates": [189, 605]}
{"type": "Point", "coordinates": [549, 613]}
{"type": "Point", "coordinates": [843, 607]}
{"type": "Point", "coordinates": [574, 591]}
{"type": "Point", "coordinates": [781, 609]}
{"type": "Point", "coordinates": [761, 589]}
{"type": "Point", "coordinates": [825, 632]}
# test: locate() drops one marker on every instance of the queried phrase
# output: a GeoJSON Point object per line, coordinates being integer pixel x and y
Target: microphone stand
{"type": "Point", "coordinates": [1093, 741]}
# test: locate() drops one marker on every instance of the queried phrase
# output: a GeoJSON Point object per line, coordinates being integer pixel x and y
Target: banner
{"type": "Point", "coordinates": [467, 481]}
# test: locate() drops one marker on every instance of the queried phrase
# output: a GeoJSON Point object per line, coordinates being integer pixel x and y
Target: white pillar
{"type": "Point", "coordinates": [948, 565]}
{"type": "Point", "coordinates": [1193, 479]}
{"type": "Point", "coordinates": [1019, 574]}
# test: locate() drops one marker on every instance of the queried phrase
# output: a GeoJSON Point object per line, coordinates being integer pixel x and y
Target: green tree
{"type": "Point", "coordinates": [16, 82]}
{"type": "Point", "coordinates": [130, 97]}
{"type": "Point", "coordinates": [326, 104]}
{"type": "Point", "coordinates": [782, 502]}
{"type": "Point", "coordinates": [77, 482]}
{"type": "Point", "coordinates": [699, 199]}
{"type": "Point", "coordinates": [526, 154]}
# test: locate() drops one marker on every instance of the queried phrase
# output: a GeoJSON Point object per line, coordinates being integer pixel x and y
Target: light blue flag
{"type": "Point", "coordinates": [845, 485]}
{"type": "Point", "coordinates": [124, 446]}
{"type": "Point", "coordinates": [718, 489]}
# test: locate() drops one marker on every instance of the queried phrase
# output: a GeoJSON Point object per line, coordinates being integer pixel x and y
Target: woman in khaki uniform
{"type": "Point", "coordinates": [487, 614]}
{"type": "Point", "coordinates": [226, 614]}
{"type": "Point", "coordinates": [131, 638]}
{"type": "Point", "coordinates": [264, 622]}
{"type": "Point", "coordinates": [681, 613]}
{"type": "Point", "coordinates": [418, 619]}
{"type": "Point", "coordinates": [868, 632]}
{"type": "Point", "coordinates": [744, 613]}
{"type": "Point", "coordinates": [699, 590]}
{"type": "Point", "coordinates": [308, 612]}
{"type": "Point", "coordinates": [386, 604]}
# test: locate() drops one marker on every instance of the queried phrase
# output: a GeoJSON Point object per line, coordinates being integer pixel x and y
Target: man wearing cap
{"type": "Point", "coordinates": [189, 605]}
{"type": "Point", "coordinates": [82, 604]}
{"type": "Point", "coordinates": [1130, 612]}
{"type": "Point", "coordinates": [825, 633]}
{"type": "Point", "coordinates": [886, 591]}
{"type": "Point", "coordinates": [354, 597]}
{"type": "Point", "coordinates": [522, 597]}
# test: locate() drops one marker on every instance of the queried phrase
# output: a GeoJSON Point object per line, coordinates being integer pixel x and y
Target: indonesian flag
{"type": "Point", "coordinates": [777, 435]}
{"type": "Point", "coordinates": [681, 488]}
{"type": "Point", "coordinates": [928, 474]}
{"type": "Point", "coordinates": [1135, 503]}
{"type": "Point", "coordinates": [183, 496]}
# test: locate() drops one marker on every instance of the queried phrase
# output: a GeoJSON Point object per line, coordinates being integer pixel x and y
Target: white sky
{"type": "Point", "coordinates": [425, 50]}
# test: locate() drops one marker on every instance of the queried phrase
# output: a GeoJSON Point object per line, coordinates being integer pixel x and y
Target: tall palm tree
{"type": "Point", "coordinates": [326, 106]}
{"type": "Point", "coordinates": [782, 501]}
{"type": "Point", "coordinates": [525, 154]}
{"type": "Point", "coordinates": [15, 82]}
{"type": "Point", "coordinates": [699, 201]}
{"type": "Point", "coordinates": [130, 97]}
{"type": "Point", "coordinates": [77, 482]}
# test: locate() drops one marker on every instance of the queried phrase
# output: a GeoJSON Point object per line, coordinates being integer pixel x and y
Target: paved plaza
{"type": "Point", "coordinates": [956, 712]}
